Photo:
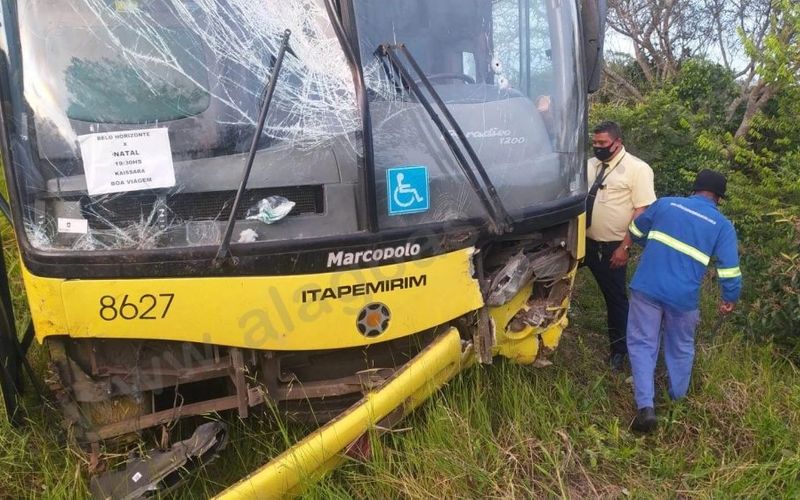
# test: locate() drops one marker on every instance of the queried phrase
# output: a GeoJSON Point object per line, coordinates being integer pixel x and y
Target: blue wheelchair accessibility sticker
{"type": "Point", "coordinates": [407, 189]}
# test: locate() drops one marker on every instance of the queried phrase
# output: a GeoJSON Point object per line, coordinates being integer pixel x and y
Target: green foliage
{"type": "Point", "coordinates": [664, 128]}
{"type": "Point", "coordinates": [39, 460]}
{"type": "Point", "coordinates": [681, 128]}
{"type": "Point", "coordinates": [764, 180]}
{"type": "Point", "coordinates": [774, 310]}
{"type": "Point", "coordinates": [773, 144]}
{"type": "Point", "coordinates": [706, 89]}
{"type": "Point", "coordinates": [778, 56]}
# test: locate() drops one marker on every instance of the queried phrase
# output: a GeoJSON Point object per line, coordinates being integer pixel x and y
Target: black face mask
{"type": "Point", "coordinates": [603, 154]}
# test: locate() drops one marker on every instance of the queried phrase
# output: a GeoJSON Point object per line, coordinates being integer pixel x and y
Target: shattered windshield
{"type": "Point", "coordinates": [130, 120]}
{"type": "Point", "coordinates": [507, 71]}
{"type": "Point", "coordinates": [136, 117]}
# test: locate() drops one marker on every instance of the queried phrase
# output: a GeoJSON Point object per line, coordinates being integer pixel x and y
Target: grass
{"type": "Point", "coordinates": [513, 431]}
{"type": "Point", "coordinates": [562, 431]}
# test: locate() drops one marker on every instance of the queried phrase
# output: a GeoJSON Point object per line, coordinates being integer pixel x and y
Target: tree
{"type": "Point", "coordinates": [665, 33]}
{"type": "Point", "coordinates": [775, 62]}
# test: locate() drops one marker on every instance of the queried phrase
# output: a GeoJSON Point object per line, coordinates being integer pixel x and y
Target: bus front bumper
{"type": "Point", "coordinates": [322, 450]}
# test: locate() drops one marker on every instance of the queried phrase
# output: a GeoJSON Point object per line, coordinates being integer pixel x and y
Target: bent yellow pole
{"type": "Point", "coordinates": [411, 385]}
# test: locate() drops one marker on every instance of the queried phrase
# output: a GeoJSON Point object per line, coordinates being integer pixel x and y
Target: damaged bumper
{"type": "Point", "coordinates": [322, 450]}
{"type": "Point", "coordinates": [530, 325]}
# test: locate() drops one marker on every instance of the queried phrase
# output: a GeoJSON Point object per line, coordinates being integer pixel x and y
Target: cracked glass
{"type": "Point", "coordinates": [136, 117]}
{"type": "Point", "coordinates": [130, 120]}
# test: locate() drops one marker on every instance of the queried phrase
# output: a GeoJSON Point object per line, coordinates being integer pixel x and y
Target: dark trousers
{"type": "Point", "coordinates": [612, 284]}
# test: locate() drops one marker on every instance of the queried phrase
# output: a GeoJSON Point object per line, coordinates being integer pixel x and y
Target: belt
{"type": "Point", "coordinates": [601, 248]}
{"type": "Point", "coordinates": [603, 244]}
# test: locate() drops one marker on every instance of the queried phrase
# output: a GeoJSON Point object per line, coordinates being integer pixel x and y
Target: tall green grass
{"type": "Point", "coordinates": [562, 431]}
{"type": "Point", "coordinates": [39, 459]}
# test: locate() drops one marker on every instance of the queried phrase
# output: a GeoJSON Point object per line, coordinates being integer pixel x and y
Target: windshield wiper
{"type": "Point", "coordinates": [224, 256]}
{"type": "Point", "coordinates": [499, 220]}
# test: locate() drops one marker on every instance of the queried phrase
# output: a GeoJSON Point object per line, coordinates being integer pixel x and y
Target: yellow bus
{"type": "Point", "coordinates": [328, 206]}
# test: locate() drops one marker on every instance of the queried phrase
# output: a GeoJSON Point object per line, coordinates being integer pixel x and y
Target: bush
{"type": "Point", "coordinates": [676, 128]}
{"type": "Point", "coordinates": [774, 298]}
{"type": "Point", "coordinates": [680, 129]}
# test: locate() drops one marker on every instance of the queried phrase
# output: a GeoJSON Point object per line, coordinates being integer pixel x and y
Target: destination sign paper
{"type": "Point", "coordinates": [131, 160]}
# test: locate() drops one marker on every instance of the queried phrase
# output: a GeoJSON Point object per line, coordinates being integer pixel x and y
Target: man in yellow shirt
{"type": "Point", "coordinates": [621, 189]}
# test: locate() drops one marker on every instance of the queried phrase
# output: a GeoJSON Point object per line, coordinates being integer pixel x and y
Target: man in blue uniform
{"type": "Point", "coordinates": [680, 238]}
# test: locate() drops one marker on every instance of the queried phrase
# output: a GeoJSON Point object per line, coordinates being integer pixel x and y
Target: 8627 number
{"type": "Point", "coordinates": [147, 306]}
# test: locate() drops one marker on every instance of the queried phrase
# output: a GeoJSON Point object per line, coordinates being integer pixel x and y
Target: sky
{"type": "Point", "coordinates": [616, 43]}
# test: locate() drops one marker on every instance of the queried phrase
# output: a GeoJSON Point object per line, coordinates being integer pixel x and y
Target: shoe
{"type": "Point", "coordinates": [617, 362]}
{"type": "Point", "coordinates": [645, 420]}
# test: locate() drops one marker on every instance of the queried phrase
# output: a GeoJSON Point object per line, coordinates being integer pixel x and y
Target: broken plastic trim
{"type": "Point", "coordinates": [545, 266]}
{"type": "Point", "coordinates": [510, 280]}
{"type": "Point", "coordinates": [162, 469]}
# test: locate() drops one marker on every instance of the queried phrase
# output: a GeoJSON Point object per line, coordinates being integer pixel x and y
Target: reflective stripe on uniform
{"type": "Point", "coordinates": [679, 246]}
{"type": "Point", "coordinates": [731, 272]}
{"type": "Point", "coordinates": [635, 230]}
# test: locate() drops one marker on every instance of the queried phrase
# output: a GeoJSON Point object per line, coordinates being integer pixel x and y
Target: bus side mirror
{"type": "Point", "coordinates": [593, 18]}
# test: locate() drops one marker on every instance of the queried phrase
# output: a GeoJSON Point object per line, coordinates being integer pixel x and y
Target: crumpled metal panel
{"type": "Point", "coordinates": [143, 476]}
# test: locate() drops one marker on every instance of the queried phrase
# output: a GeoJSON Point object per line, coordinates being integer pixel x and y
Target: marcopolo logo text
{"type": "Point", "coordinates": [342, 258]}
